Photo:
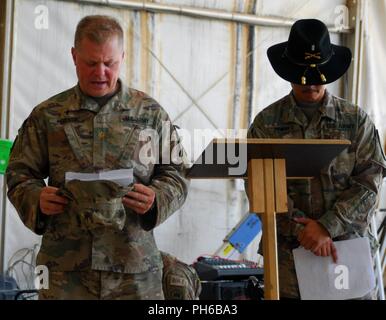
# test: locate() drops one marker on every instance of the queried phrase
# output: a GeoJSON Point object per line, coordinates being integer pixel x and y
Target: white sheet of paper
{"type": "Point", "coordinates": [123, 177]}
{"type": "Point", "coordinates": [319, 278]}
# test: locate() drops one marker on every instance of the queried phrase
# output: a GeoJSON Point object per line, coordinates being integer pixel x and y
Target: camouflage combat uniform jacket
{"type": "Point", "coordinates": [71, 132]}
{"type": "Point", "coordinates": [343, 198]}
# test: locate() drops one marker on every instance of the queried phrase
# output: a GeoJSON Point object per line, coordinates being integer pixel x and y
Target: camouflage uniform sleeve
{"type": "Point", "coordinates": [27, 169]}
{"type": "Point", "coordinates": [179, 280]}
{"type": "Point", "coordinates": [352, 210]}
{"type": "Point", "coordinates": [256, 130]}
{"type": "Point", "coordinates": [169, 180]}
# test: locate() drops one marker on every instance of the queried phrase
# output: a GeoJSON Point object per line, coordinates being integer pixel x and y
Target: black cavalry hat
{"type": "Point", "coordinates": [308, 57]}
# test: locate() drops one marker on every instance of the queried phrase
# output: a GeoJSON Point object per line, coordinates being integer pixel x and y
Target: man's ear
{"type": "Point", "coordinates": [73, 53]}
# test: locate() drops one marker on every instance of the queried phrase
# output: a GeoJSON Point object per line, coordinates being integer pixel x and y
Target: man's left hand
{"type": "Point", "coordinates": [140, 200]}
{"type": "Point", "coordinates": [316, 238]}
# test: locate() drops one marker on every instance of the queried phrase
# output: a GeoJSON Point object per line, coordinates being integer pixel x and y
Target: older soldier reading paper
{"type": "Point", "coordinates": [97, 235]}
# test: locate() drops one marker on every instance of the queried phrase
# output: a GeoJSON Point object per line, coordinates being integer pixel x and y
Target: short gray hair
{"type": "Point", "coordinates": [99, 29]}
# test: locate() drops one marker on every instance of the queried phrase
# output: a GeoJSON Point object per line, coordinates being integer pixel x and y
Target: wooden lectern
{"type": "Point", "coordinates": [266, 163]}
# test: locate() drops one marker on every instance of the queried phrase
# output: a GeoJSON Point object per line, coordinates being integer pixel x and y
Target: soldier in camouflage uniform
{"type": "Point", "coordinates": [180, 281]}
{"type": "Point", "coordinates": [338, 204]}
{"type": "Point", "coordinates": [97, 235]}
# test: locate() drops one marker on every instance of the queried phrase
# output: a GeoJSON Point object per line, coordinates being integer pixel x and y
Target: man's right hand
{"type": "Point", "coordinates": [315, 237]}
{"type": "Point", "coordinates": [328, 249]}
{"type": "Point", "coordinates": [50, 203]}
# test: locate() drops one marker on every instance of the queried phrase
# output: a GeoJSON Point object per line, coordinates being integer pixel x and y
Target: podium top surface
{"type": "Point", "coordinates": [228, 158]}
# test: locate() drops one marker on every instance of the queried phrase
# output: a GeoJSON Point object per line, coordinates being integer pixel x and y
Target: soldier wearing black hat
{"type": "Point", "coordinates": [339, 203]}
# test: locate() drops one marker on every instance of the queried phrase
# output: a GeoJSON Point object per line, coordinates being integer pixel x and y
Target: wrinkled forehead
{"type": "Point", "coordinates": [110, 48]}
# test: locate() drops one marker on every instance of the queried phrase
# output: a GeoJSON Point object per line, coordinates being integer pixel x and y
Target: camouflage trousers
{"type": "Point", "coordinates": [103, 285]}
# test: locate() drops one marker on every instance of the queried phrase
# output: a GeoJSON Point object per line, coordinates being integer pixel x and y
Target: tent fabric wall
{"type": "Point", "coordinates": [209, 75]}
{"type": "Point", "coordinates": [371, 90]}
{"type": "Point", "coordinates": [371, 87]}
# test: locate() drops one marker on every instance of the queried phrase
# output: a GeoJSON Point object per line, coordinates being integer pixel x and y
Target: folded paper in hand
{"type": "Point", "coordinates": [319, 278]}
{"type": "Point", "coordinates": [123, 177]}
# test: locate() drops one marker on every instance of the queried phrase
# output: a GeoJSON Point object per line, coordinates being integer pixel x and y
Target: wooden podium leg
{"type": "Point", "coordinates": [256, 185]}
{"type": "Point", "coordinates": [268, 195]}
{"type": "Point", "coordinates": [271, 275]}
{"type": "Point", "coordinates": [280, 185]}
